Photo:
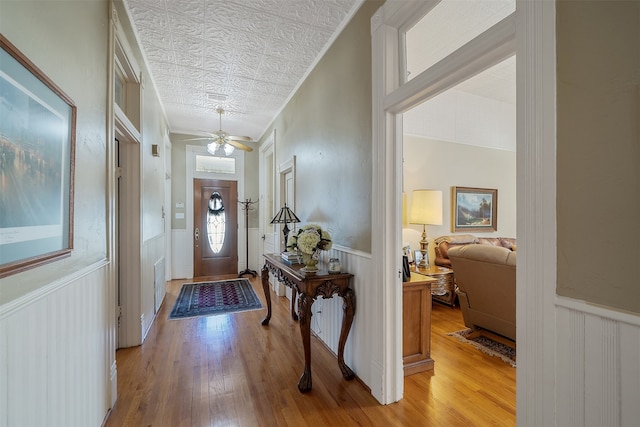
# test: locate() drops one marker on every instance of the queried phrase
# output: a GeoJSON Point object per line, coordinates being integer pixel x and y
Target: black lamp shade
{"type": "Point", "coordinates": [285, 216]}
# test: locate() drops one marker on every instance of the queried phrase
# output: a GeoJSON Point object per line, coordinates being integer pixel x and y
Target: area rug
{"type": "Point", "coordinates": [486, 345]}
{"type": "Point", "coordinates": [213, 298]}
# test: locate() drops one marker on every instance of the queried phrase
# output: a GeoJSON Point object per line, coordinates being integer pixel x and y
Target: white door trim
{"type": "Point", "coordinates": [286, 167]}
{"type": "Point", "coordinates": [390, 99]}
{"type": "Point", "coordinates": [266, 182]}
{"type": "Point", "coordinates": [129, 241]}
{"type": "Point", "coordinates": [536, 377]}
{"type": "Point", "coordinates": [166, 209]}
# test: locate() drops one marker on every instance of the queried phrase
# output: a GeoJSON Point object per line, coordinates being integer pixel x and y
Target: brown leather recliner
{"type": "Point", "coordinates": [486, 287]}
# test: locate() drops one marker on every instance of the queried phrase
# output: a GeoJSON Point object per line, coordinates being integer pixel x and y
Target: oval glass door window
{"type": "Point", "coordinates": [216, 220]}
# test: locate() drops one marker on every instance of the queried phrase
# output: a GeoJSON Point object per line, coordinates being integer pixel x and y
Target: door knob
{"type": "Point", "coordinates": [196, 234]}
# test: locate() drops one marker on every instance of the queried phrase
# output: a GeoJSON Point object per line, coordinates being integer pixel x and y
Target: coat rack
{"type": "Point", "coordinates": [246, 205]}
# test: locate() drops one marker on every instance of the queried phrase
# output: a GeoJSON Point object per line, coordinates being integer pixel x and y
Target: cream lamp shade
{"type": "Point", "coordinates": [426, 207]}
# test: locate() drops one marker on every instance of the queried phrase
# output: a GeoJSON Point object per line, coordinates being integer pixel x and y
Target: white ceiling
{"type": "Point", "coordinates": [450, 25]}
{"type": "Point", "coordinates": [247, 56]}
{"type": "Point", "coordinates": [497, 83]}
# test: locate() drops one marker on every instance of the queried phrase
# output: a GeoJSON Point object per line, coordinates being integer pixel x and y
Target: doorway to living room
{"type": "Point", "coordinates": [460, 50]}
{"type": "Point", "coordinates": [466, 137]}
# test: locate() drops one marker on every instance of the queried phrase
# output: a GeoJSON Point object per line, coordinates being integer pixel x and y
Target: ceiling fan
{"type": "Point", "coordinates": [221, 141]}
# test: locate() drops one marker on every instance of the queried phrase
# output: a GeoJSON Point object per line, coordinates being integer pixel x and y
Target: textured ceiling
{"type": "Point", "coordinates": [247, 56]}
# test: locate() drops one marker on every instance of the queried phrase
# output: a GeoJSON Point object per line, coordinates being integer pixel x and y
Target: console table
{"type": "Point", "coordinates": [308, 287]}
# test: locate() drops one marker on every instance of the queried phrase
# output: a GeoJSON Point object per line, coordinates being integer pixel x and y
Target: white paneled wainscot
{"type": "Point", "coordinates": [598, 366]}
{"type": "Point", "coordinates": [56, 341]}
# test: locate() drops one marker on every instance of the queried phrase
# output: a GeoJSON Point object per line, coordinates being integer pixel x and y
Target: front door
{"type": "Point", "coordinates": [215, 223]}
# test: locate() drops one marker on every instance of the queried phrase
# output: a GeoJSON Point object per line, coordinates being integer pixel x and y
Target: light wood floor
{"type": "Point", "coordinates": [229, 370]}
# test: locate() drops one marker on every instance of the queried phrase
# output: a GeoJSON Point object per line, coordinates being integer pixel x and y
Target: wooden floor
{"type": "Point", "coordinates": [228, 370]}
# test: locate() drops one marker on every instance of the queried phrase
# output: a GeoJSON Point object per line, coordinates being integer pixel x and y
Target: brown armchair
{"type": "Point", "coordinates": [486, 287]}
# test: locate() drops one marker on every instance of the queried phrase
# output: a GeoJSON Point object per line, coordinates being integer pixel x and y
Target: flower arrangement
{"type": "Point", "coordinates": [309, 239]}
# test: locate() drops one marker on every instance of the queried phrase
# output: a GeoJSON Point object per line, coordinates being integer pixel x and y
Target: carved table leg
{"type": "Point", "coordinates": [349, 309]}
{"type": "Point", "coordinates": [304, 307]}
{"type": "Point", "coordinates": [294, 292]}
{"type": "Point", "coordinates": [267, 294]}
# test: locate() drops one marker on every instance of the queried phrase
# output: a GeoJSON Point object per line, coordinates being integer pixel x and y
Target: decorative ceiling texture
{"type": "Point", "coordinates": [246, 56]}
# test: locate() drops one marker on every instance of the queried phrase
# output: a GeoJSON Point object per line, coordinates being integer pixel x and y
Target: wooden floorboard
{"type": "Point", "coordinates": [229, 370]}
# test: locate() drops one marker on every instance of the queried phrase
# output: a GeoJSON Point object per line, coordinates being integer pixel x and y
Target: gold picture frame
{"type": "Point", "coordinates": [474, 209]}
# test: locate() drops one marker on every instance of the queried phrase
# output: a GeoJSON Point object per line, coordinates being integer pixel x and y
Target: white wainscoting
{"type": "Point", "coordinates": [181, 261]}
{"type": "Point", "coordinates": [255, 257]}
{"type": "Point", "coordinates": [55, 364]}
{"type": "Point", "coordinates": [326, 320]}
{"type": "Point", "coordinates": [598, 366]}
{"type": "Point", "coordinates": [152, 251]}
{"type": "Point", "coordinates": [159, 283]}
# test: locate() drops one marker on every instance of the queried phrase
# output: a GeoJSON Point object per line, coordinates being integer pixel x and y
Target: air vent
{"type": "Point", "coordinates": [211, 96]}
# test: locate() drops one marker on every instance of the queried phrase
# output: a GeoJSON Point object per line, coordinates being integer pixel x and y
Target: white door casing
{"type": "Point", "coordinates": [286, 194]}
{"type": "Point", "coordinates": [390, 100]}
{"type": "Point", "coordinates": [129, 241]}
{"type": "Point", "coordinates": [166, 212]}
{"type": "Point", "coordinates": [267, 195]}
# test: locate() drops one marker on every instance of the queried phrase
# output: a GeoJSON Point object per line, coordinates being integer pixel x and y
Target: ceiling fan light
{"type": "Point", "coordinates": [228, 149]}
{"type": "Point", "coordinates": [212, 147]}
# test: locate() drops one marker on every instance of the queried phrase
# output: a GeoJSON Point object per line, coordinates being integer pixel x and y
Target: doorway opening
{"type": "Point", "coordinates": [128, 241]}
{"type": "Point", "coordinates": [395, 94]}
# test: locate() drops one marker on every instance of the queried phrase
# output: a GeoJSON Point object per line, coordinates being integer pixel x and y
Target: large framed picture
{"type": "Point", "coordinates": [37, 151]}
{"type": "Point", "coordinates": [475, 209]}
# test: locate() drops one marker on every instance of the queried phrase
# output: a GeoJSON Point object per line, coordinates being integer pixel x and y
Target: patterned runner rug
{"type": "Point", "coordinates": [213, 298]}
{"type": "Point", "coordinates": [482, 341]}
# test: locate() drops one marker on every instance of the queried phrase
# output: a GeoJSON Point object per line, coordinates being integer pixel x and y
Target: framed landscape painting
{"type": "Point", "coordinates": [37, 149]}
{"type": "Point", "coordinates": [475, 209]}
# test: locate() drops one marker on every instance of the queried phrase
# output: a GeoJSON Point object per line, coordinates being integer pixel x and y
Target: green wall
{"type": "Point", "coordinates": [327, 127]}
{"type": "Point", "coordinates": [598, 174]}
{"type": "Point", "coordinates": [68, 41]}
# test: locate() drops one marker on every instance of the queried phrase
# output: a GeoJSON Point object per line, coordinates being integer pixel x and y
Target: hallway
{"type": "Point", "coordinates": [229, 370]}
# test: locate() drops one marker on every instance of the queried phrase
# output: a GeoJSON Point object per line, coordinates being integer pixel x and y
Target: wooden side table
{"type": "Point", "coordinates": [416, 324]}
{"type": "Point", "coordinates": [443, 291]}
{"type": "Point", "coordinates": [308, 287]}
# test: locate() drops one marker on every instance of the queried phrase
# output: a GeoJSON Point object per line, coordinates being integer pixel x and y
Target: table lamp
{"type": "Point", "coordinates": [285, 216]}
{"type": "Point", "coordinates": [426, 209]}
